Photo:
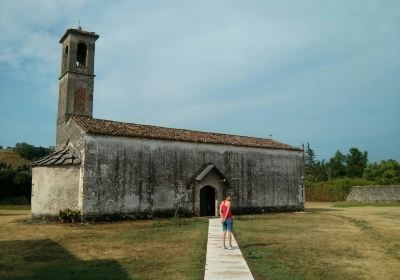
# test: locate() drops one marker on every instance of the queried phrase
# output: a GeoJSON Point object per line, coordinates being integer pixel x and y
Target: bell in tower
{"type": "Point", "coordinates": [77, 76]}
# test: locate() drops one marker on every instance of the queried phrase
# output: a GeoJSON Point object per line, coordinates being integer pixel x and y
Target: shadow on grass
{"type": "Point", "coordinates": [250, 245]}
{"type": "Point", "coordinates": [15, 206]}
{"type": "Point", "coordinates": [46, 259]}
{"type": "Point", "coordinates": [12, 214]}
{"type": "Point", "coordinates": [320, 210]}
{"type": "Point", "coordinates": [344, 204]}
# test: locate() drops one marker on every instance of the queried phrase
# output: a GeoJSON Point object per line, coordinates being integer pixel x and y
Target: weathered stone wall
{"type": "Point", "coordinates": [54, 188]}
{"type": "Point", "coordinates": [374, 194]}
{"type": "Point", "coordinates": [124, 176]}
{"type": "Point", "coordinates": [71, 133]}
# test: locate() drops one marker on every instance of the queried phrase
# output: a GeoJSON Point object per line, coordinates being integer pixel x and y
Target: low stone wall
{"type": "Point", "coordinates": [374, 194]}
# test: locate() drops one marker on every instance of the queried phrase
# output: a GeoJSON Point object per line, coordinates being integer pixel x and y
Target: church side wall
{"type": "Point", "coordinates": [54, 188]}
{"type": "Point", "coordinates": [150, 177]}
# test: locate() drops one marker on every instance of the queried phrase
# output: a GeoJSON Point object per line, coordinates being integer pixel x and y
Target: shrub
{"type": "Point", "coordinates": [387, 172]}
{"type": "Point", "coordinates": [332, 190]}
{"type": "Point", "coordinates": [70, 215]}
{"type": "Point", "coordinates": [15, 183]}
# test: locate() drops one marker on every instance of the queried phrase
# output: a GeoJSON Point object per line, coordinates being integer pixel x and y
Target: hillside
{"type": "Point", "coordinates": [11, 157]}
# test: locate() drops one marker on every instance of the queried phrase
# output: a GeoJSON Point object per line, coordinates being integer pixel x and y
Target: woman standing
{"type": "Point", "coordinates": [226, 219]}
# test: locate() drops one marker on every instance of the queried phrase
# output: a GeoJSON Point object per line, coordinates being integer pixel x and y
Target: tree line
{"type": "Point", "coordinates": [15, 183]}
{"type": "Point", "coordinates": [31, 152]}
{"type": "Point", "coordinates": [352, 165]}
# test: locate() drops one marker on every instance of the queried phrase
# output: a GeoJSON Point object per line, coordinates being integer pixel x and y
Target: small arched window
{"type": "Point", "coordinates": [81, 55]}
{"type": "Point", "coordinates": [64, 64]}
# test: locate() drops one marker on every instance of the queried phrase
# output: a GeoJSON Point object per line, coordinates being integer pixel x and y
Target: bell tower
{"type": "Point", "coordinates": [77, 77]}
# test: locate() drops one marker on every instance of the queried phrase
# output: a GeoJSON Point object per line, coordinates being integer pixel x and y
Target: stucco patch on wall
{"type": "Point", "coordinates": [54, 188]}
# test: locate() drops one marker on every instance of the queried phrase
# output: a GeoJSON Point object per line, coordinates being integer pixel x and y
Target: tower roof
{"type": "Point", "coordinates": [79, 31]}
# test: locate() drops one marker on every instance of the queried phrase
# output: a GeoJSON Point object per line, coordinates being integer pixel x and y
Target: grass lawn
{"type": "Point", "coordinates": [325, 242]}
{"type": "Point", "coordinates": [363, 204]}
{"type": "Point", "coordinates": [147, 249]}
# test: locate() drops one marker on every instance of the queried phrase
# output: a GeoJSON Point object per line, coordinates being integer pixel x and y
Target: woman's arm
{"type": "Point", "coordinates": [220, 211]}
{"type": "Point", "coordinates": [228, 208]}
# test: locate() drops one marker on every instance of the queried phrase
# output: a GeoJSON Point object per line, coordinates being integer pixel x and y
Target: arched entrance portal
{"type": "Point", "coordinates": [207, 201]}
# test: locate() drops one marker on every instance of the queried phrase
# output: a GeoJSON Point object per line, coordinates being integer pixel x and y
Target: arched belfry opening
{"type": "Point", "coordinates": [64, 60]}
{"type": "Point", "coordinates": [207, 201]}
{"type": "Point", "coordinates": [81, 55]}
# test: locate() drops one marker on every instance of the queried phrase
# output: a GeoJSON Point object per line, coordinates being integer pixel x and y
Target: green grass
{"type": "Point", "coordinates": [268, 247]}
{"type": "Point", "coordinates": [15, 207]}
{"type": "Point", "coordinates": [363, 204]}
{"type": "Point", "coordinates": [325, 242]}
{"type": "Point", "coordinates": [145, 249]}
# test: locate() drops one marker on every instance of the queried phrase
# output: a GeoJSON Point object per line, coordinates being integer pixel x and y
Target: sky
{"type": "Point", "coordinates": [323, 72]}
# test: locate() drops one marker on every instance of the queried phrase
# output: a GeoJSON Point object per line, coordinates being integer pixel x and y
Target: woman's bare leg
{"type": "Point", "coordinates": [223, 238]}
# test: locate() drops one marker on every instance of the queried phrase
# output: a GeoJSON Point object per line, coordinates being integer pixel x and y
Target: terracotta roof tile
{"type": "Point", "coordinates": [113, 128]}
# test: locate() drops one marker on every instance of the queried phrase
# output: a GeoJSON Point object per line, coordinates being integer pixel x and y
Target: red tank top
{"type": "Point", "coordinates": [224, 207]}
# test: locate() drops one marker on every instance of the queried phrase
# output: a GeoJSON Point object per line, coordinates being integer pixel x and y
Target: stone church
{"type": "Point", "coordinates": [110, 169]}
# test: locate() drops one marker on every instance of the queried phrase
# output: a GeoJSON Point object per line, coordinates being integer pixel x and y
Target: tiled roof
{"type": "Point", "coordinates": [79, 31]}
{"type": "Point", "coordinates": [61, 157]}
{"type": "Point", "coordinates": [112, 128]}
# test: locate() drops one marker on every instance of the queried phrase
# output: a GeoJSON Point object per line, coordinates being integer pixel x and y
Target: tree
{"type": "Point", "coordinates": [337, 166]}
{"type": "Point", "coordinates": [309, 161]}
{"type": "Point", "coordinates": [385, 172]}
{"type": "Point", "coordinates": [23, 182]}
{"type": "Point", "coordinates": [7, 186]}
{"type": "Point", "coordinates": [31, 152]}
{"type": "Point", "coordinates": [15, 183]}
{"type": "Point", "coordinates": [356, 162]}
{"type": "Point", "coordinates": [321, 171]}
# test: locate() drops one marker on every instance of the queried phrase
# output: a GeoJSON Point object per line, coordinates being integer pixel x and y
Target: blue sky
{"type": "Point", "coordinates": [324, 72]}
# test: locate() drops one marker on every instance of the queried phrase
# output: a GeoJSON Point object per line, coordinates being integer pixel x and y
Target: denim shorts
{"type": "Point", "coordinates": [227, 225]}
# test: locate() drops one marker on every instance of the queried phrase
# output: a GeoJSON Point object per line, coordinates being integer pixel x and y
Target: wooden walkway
{"type": "Point", "coordinates": [223, 263]}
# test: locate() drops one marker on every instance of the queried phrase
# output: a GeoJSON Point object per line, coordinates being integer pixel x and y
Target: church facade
{"type": "Point", "coordinates": [109, 169]}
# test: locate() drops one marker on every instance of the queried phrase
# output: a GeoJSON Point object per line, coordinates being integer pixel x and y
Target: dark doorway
{"type": "Point", "coordinates": [207, 201]}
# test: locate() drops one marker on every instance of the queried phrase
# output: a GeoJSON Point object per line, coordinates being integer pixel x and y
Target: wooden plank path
{"type": "Point", "coordinates": [223, 263]}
